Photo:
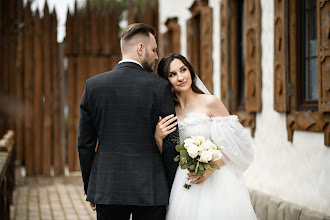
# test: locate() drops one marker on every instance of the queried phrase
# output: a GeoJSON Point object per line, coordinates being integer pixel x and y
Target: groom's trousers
{"type": "Point", "coordinates": [123, 212]}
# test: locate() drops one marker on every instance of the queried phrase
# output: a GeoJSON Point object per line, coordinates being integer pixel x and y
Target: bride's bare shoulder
{"type": "Point", "coordinates": [215, 106]}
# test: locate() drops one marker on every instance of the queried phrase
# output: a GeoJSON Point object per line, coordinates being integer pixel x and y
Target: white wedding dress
{"type": "Point", "coordinates": [224, 195]}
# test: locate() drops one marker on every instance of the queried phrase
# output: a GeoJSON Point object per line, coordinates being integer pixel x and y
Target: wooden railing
{"type": "Point", "coordinates": [7, 174]}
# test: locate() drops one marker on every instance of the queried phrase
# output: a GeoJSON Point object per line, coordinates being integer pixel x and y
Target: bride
{"type": "Point", "coordinates": [219, 194]}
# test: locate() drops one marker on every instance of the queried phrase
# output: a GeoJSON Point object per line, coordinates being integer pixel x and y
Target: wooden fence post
{"type": "Point", "coordinates": [38, 95]}
{"type": "Point", "coordinates": [47, 122]}
{"type": "Point", "coordinates": [28, 90]}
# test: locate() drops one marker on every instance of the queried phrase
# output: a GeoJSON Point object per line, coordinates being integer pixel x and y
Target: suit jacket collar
{"type": "Point", "coordinates": [130, 65]}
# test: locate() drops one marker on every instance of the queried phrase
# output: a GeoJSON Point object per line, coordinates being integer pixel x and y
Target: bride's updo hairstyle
{"type": "Point", "coordinates": [164, 70]}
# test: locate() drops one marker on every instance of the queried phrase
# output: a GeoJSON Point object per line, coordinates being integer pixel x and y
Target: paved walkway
{"type": "Point", "coordinates": [50, 198]}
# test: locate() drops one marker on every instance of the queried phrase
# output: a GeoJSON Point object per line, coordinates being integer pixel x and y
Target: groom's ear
{"type": "Point", "coordinates": [140, 48]}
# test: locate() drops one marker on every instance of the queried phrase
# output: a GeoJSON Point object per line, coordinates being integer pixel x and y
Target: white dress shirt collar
{"type": "Point", "coordinates": [130, 60]}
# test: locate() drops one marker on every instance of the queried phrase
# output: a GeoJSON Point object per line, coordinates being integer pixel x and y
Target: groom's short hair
{"type": "Point", "coordinates": [136, 29]}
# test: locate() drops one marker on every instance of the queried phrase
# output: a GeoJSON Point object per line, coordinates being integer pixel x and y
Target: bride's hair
{"type": "Point", "coordinates": [164, 70]}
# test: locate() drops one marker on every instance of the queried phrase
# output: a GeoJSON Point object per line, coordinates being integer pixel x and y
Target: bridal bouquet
{"type": "Point", "coordinates": [197, 154]}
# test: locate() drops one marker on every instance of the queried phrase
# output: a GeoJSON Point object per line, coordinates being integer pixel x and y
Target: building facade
{"type": "Point", "coordinates": [268, 61]}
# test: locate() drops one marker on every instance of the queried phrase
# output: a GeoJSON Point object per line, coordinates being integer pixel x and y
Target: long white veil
{"type": "Point", "coordinates": [201, 85]}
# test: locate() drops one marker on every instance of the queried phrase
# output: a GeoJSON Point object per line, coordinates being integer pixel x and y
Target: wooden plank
{"type": "Point", "coordinates": [28, 91]}
{"type": "Point", "coordinates": [224, 56]}
{"type": "Point", "coordinates": [37, 102]}
{"type": "Point", "coordinates": [93, 33]}
{"type": "Point", "coordinates": [107, 32]}
{"type": "Point", "coordinates": [5, 72]}
{"type": "Point", "coordinates": [57, 150]}
{"type": "Point", "coordinates": [11, 65]}
{"type": "Point", "coordinates": [323, 58]}
{"type": "Point", "coordinates": [69, 34]}
{"type": "Point", "coordinates": [206, 47]}
{"type": "Point", "coordinates": [292, 88]}
{"type": "Point", "coordinates": [232, 53]}
{"type": "Point", "coordinates": [88, 29]}
{"type": "Point", "coordinates": [252, 64]}
{"type": "Point", "coordinates": [47, 116]}
{"type": "Point", "coordinates": [81, 32]}
{"type": "Point", "coordinates": [2, 8]}
{"type": "Point", "coordinates": [71, 147]}
{"type": "Point", "coordinates": [82, 74]}
{"type": "Point", "coordinates": [280, 56]}
{"type": "Point", "coordinates": [19, 86]}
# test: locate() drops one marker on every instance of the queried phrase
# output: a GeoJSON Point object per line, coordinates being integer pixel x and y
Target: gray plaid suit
{"type": "Point", "coordinates": [120, 108]}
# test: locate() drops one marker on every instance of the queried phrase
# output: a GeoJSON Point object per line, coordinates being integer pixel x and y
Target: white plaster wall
{"type": "Point", "coordinates": [298, 172]}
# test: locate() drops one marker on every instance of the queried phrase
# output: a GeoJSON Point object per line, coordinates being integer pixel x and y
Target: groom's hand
{"type": "Point", "coordinates": [92, 205]}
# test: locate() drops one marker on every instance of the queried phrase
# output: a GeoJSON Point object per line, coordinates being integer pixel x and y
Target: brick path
{"type": "Point", "coordinates": [50, 198]}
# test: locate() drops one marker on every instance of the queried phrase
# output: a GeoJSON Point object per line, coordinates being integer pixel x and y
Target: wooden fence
{"type": "Point", "coordinates": [30, 100]}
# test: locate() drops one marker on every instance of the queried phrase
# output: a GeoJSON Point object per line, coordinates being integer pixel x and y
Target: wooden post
{"type": "Point", "coordinates": [20, 85]}
{"type": "Point", "coordinates": [47, 116]}
{"type": "Point", "coordinates": [72, 147]}
{"type": "Point", "coordinates": [38, 105]}
{"type": "Point", "coordinates": [57, 150]}
{"type": "Point", "coordinates": [28, 90]}
{"type": "Point", "coordinates": [12, 37]}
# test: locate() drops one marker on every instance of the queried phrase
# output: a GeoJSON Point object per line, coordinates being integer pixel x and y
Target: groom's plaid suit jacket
{"type": "Point", "coordinates": [120, 109]}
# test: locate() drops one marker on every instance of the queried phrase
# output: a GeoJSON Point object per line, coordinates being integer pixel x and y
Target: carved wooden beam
{"type": "Point", "coordinates": [309, 121]}
{"type": "Point", "coordinates": [247, 119]}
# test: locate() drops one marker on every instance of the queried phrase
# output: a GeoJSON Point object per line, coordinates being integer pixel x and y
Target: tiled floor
{"type": "Point", "coordinates": [53, 198]}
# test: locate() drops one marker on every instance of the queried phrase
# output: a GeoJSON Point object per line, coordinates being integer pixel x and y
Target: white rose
{"type": "Point", "coordinates": [217, 154]}
{"type": "Point", "coordinates": [199, 140]}
{"type": "Point", "coordinates": [206, 157]}
{"type": "Point", "coordinates": [213, 146]}
{"type": "Point", "coordinates": [193, 150]}
{"type": "Point", "coordinates": [206, 145]}
{"type": "Point", "coordinates": [188, 142]}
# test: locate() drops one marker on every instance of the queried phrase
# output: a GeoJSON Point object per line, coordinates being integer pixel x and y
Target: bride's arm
{"type": "Point", "coordinates": [164, 127]}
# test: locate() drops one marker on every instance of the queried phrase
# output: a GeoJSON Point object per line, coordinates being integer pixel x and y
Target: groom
{"type": "Point", "coordinates": [120, 108]}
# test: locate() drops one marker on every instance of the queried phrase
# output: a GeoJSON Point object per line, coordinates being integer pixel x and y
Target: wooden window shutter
{"type": "Point", "coordinates": [192, 44]}
{"type": "Point", "coordinates": [206, 48]}
{"type": "Point", "coordinates": [323, 41]}
{"type": "Point", "coordinates": [166, 44]}
{"type": "Point", "coordinates": [172, 43]}
{"type": "Point", "coordinates": [224, 54]}
{"type": "Point", "coordinates": [280, 56]}
{"type": "Point", "coordinates": [252, 35]}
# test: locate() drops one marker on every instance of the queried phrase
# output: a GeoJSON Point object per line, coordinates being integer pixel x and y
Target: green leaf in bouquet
{"type": "Point", "coordinates": [200, 173]}
{"type": "Point", "coordinates": [184, 159]}
{"type": "Point", "coordinates": [177, 158]}
{"type": "Point", "coordinates": [184, 153]}
{"type": "Point", "coordinates": [184, 166]}
{"type": "Point", "coordinates": [214, 166]}
{"type": "Point", "coordinates": [201, 166]}
{"type": "Point", "coordinates": [192, 167]}
{"type": "Point", "coordinates": [207, 166]}
{"type": "Point", "coordinates": [196, 168]}
{"type": "Point", "coordinates": [179, 148]}
{"type": "Point", "coordinates": [186, 186]}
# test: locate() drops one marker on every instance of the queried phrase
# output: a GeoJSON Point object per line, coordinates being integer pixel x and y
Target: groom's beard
{"type": "Point", "coordinates": [149, 67]}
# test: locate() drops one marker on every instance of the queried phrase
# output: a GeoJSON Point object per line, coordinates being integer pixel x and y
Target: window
{"type": "Point", "coordinates": [301, 65]}
{"type": "Point", "coordinates": [307, 47]}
